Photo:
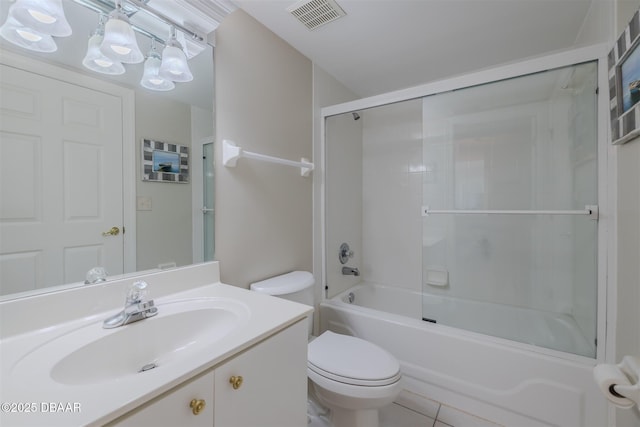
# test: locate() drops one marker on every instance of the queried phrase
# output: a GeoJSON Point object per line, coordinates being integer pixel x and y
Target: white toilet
{"type": "Point", "coordinates": [351, 376]}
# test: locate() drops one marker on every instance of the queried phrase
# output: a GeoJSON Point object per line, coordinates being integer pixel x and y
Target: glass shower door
{"type": "Point", "coordinates": [510, 209]}
{"type": "Point", "coordinates": [208, 198]}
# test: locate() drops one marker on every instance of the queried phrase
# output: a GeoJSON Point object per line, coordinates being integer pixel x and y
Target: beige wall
{"type": "Point", "coordinates": [624, 11]}
{"type": "Point", "coordinates": [628, 269]}
{"type": "Point", "coordinates": [163, 233]}
{"type": "Point", "coordinates": [628, 239]}
{"type": "Point", "coordinates": [597, 25]}
{"type": "Point", "coordinates": [264, 103]}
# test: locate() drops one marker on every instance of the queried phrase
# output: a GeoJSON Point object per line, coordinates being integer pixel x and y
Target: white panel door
{"type": "Point", "coordinates": [60, 181]}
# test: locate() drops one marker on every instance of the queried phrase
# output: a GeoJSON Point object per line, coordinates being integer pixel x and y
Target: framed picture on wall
{"type": "Point", "coordinates": [624, 83]}
{"type": "Point", "coordinates": [165, 162]}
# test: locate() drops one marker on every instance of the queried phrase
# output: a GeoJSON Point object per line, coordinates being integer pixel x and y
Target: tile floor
{"type": "Point", "coordinates": [396, 415]}
{"type": "Point", "coordinates": [411, 411]}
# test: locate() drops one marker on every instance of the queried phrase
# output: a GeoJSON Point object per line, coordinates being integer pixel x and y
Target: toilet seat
{"type": "Point", "coordinates": [352, 361]}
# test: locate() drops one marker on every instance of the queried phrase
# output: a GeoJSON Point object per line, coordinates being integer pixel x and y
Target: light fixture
{"type": "Point", "coordinates": [34, 25]}
{"type": "Point", "coordinates": [119, 41]}
{"type": "Point", "coordinates": [174, 65]}
{"type": "Point", "coordinates": [44, 16]}
{"type": "Point", "coordinates": [151, 78]}
{"type": "Point", "coordinates": [26, 37]}
{"type": "Point", "coordinates": [95, 60]}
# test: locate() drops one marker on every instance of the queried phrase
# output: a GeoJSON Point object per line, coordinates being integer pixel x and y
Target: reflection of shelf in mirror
{"type": "Point", "coordinates": [590, 210]}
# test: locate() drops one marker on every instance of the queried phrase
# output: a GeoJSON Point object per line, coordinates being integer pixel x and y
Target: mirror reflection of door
{"type": "Point", "coordinates": [208, 198]}
{"type": "Point", "coordinates": [58, 142]}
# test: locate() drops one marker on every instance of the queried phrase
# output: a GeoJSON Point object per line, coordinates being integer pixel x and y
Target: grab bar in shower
{"type": "Point", "coordinates": [231, 153]}
{"type": "Point", "coordinates": [591, 210]}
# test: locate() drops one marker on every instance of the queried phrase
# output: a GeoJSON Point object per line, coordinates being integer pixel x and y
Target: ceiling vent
{"type": "Point", "coordinates": [316, 13]}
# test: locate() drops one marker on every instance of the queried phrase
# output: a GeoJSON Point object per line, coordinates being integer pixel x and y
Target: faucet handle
{"type": "Point", "coordinates": [96, 275]}
{"type": "Point", "coordinates": [345, 253]}
{"type": "Point", "coordinates": [137, 292]}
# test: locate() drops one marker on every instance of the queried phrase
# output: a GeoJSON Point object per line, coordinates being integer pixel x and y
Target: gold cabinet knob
{"type": "Point", "coordinates": [113, 232]}
{"type": "Point", "coordinates": [235, 381]}
{"type": "Point", "coordinates": [197, 405]}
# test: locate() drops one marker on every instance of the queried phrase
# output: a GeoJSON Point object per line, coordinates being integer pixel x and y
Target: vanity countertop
{"type": "Point", "coordinates": [32, 397]}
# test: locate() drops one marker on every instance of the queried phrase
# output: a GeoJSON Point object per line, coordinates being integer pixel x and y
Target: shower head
{"type": "Point", "coordinates": [356, 116]}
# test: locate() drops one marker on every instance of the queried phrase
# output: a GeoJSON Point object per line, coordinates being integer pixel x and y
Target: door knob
{"type": "Point", "coordinates": [113, 232]}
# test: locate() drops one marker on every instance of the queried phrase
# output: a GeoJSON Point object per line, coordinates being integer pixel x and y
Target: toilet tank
{"type": "Point", "coordinates": [295, 286]}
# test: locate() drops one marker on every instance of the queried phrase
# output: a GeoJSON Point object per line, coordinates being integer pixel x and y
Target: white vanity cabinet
{"type": "Point", "coordinates": [264, 385]}
{"type": "Point", "coordinates": [273, 389]}
{"type": "Point", "coordinates": [174, 408]}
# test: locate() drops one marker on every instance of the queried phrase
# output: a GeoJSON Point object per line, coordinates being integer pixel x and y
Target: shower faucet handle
{"type": "Point", "coordinates": [345, 253]}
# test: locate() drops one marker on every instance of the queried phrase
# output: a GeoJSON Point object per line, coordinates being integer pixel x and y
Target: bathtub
{"type": "Point", "coordinates": [540, 328]}
{"type": "Point", "coordinates": [512, 383]}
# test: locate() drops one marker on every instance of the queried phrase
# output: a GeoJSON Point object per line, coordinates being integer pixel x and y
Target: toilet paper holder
{"type": "Point", "coordinates": [630, 367]}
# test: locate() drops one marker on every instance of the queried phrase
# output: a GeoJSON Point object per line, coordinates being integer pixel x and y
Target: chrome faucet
{"type": "Point", "coordinates": [347, 271]}
{"type": "Point", "coordinates": [136, 307]}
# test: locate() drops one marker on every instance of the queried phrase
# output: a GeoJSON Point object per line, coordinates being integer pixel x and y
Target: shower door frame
{"type": "Point", "coordinates": [605, 313]}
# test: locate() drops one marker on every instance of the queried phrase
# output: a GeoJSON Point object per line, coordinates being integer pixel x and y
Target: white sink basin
{"type": "Point", "coordinates": [92, 355]}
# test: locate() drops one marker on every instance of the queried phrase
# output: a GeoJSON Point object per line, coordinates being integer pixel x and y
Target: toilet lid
{"type": "Point", "coordinates": [352, 360]}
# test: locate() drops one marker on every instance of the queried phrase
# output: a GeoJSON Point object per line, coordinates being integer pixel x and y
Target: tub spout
{"type": "Point", "coordinates": [348, 271]}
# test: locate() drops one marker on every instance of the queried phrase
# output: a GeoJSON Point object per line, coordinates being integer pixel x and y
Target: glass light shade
{"type": "Point", "coordinates": [151, 78]}
{"type": "Point", "coordinates": [96, 61]}
{"type": "Point", "coordinates": [26, 37]}
{"type": "Point", "coordinates": [119, 41]}
{"type": "Point", "coordinates": [44, 16]}
{"type": "Point", "coordinates": [174, 63]}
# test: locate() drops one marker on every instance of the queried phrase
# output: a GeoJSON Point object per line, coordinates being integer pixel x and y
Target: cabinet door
{"type": "Point", "coordinates": [273, 389]}
{"type": "Point", "coordinates": [174, 408]}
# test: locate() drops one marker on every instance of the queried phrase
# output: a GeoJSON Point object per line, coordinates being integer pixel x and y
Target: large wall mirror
{"type": "Point", "coordinates": [74, 194]}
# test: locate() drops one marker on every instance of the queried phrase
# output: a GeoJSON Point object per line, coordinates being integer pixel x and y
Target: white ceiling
{"type": "Point", "coordinates": [385, 45]}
